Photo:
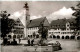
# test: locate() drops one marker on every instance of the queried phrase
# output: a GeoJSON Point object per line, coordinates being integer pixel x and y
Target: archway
{"type": "Point", "coordinates": [31, 36]}
{"type": "Point", "coordinates": [14, 36]}
{"type": "Point", "coordinates": [28, 36]}
{"type": "Point", "coordinates": [62, 37]}
{"type": "Point", "coordinates": [78, 38]}
{"type": "Point", "coordinates": [50, 36]}
{"type": "Point", "coordinates": [54, 36]}
{"type": "Point", "coordinates": [58, 37]}
{"type": "Point", "coordinates": [18, 36]}
{"type": "Point", "coordinates": [72, 37]}
{"type": "Point", "coordinates": [21, 36]}
{"type": "Point", "coordinates": [9, 36]}
{"type": "Point", "coordinates": [37, 36]}
{"type": "Point", "coordinates": [67, 37]}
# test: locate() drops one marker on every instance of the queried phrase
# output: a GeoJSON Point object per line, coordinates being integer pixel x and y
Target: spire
{"type": "Point", "coordinates": [26, 6]}
{"type": "Point", "coordinates": [27, 17]}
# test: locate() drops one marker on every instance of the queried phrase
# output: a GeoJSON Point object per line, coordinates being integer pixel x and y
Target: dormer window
{"type": "Point", "coordinates": [18, 21]}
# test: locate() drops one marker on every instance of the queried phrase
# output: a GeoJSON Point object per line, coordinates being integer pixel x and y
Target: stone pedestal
{"type": "Point", "coordinates": [41, 48]}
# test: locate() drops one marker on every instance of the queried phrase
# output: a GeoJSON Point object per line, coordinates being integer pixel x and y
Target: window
{"type": "Point", "coordinates": [20, 24]}
{"type": "Point", "coordinates": [67, 29]}
{"type": "Point", "coordinates": [56, 25]}
{"type": "Point", "coordinates": [63, 25]}
{"type": "Point", "coordinates": [16, 24]}
{"type": "Point", "coordinates": [58, 29]}
{"type": "Point", "coordinates": [29, 28]}
{"type": "Point", "coordinates": [68, 25]}
{"type": "Point", "coordinates": [49, 32]}
{"type": "Point", "coordinates": [62, 33]}
{"type": "Point", "coordinates": [52, 32]}
{"type": "Point", "coordinates": [18, 21]}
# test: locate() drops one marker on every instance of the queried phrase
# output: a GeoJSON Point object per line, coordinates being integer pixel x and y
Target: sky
{"type": "Point", "coordinates": [36, 7]}
{"type": "Point", "coordinates": [51, 9]}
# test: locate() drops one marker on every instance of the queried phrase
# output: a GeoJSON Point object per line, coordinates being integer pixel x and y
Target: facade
{"type": "Point", "coordinates": [62, 27]}
{"type": "Point", "coordinates": [59, 28]}
{"type": "Point", "coordinates": [34, 25]}
{"type": "Point", "coordinates": [18, 30]}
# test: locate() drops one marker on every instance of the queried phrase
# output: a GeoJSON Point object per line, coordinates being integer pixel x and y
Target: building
{"type": "Point", "coordinates": [62, 27]}
{"type": "Point", "coordinates": [35, 24]}
{"type": "Point", "coordinates": [17, 30]}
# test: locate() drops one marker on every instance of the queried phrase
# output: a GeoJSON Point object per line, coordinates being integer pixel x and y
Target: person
{"type": "Point", "coordinates": [57, 42]}
{"type": "Point", "coordinates": [28, 41]}
{"type": "Point", "coordinates": [5, 41]}
{"type": "Point", "coordinates": [32, 42]}
{"type": "Point", "coordinates": [19, 40]}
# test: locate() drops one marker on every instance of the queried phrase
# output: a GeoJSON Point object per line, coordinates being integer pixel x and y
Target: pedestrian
{"type": "Point", "coordinates": [28, 41]}
{"type": "Point", "coordinates": [32, 42]}
{"type": "Point", "coordinates": [5, 40]}
{"type": "Point", "coordinates": [19, 40]}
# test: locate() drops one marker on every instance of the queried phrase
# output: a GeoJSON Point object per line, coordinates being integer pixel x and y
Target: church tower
{"type": "Point", "coordinates": [27, 15]}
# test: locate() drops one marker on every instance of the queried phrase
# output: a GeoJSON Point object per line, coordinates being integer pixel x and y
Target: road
{"type": "Point", "coordinates": [68, 45]}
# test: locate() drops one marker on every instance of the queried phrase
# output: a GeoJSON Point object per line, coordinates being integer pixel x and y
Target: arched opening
{"type": "Point", "coordinates": [50, 36]}
{"type": "Point", "coordinates": [37, 36]}
{"type": "Point", "coordinates": [18, 36]}
{"type": "Point", "coordinates": [72, 37]}
{"type": "Point", "coordinates": [28, 36]}
{"type": "Point", "coordinates": [21, 36]}
{"type": "Point", "coordinates": [78, 38]}
{"type": "Point", "coordinates": [62, 37]}
{"type": "Point", "coordinates": [14, 36]}
{"type": "Point", "coordinates": [58, 37]}
{"type": "Point", "coordinates": [67, 37]}
{"type": "Point", "coordinates": [9, 36]}
{"type": "Point", "coordinates": [31, 36]}
{"type": "Point", "coordinates": [54, 36]}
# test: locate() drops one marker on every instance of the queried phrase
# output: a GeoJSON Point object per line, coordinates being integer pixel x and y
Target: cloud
{"type": "Point", "coordinates": [19, 14]}
{"type": "Point", "coordinates": [64, 12]}
{"type": "Point", "coordinates": [34, 17]}
{"type": "Point", "coordinates": [60, 14]}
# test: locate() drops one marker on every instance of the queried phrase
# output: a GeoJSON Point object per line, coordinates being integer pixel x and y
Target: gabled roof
{"type": "Point", "coordinates": [58, 22]}
{"type": "Point", "coordinates": [19, 21]}
{"type": "Point", "coordinates": [37, 22]}
{"type": "Point", "coordinates": [71, 20]}
{"type": "Point", "coordinates": [61, 23]}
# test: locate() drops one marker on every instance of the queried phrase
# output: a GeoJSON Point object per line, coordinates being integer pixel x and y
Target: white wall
{"type": "Point", "coordinates": [30, 31]}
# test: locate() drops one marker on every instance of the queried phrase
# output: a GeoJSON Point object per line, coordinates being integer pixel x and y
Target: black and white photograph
{"type": "Point", "coordinates": [39, 26]}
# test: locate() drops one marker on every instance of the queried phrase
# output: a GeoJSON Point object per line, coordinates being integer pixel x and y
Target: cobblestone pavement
{"type": "Point", "coordinates": [67, 46]}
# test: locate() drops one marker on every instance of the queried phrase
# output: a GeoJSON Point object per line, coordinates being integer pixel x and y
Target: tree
{"type": "Point", "coordinates": [77, 15]}
{"type": "Point", "coordinates": [6, 24]}
{"type": "Point", "coordinates": [43, 31]}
